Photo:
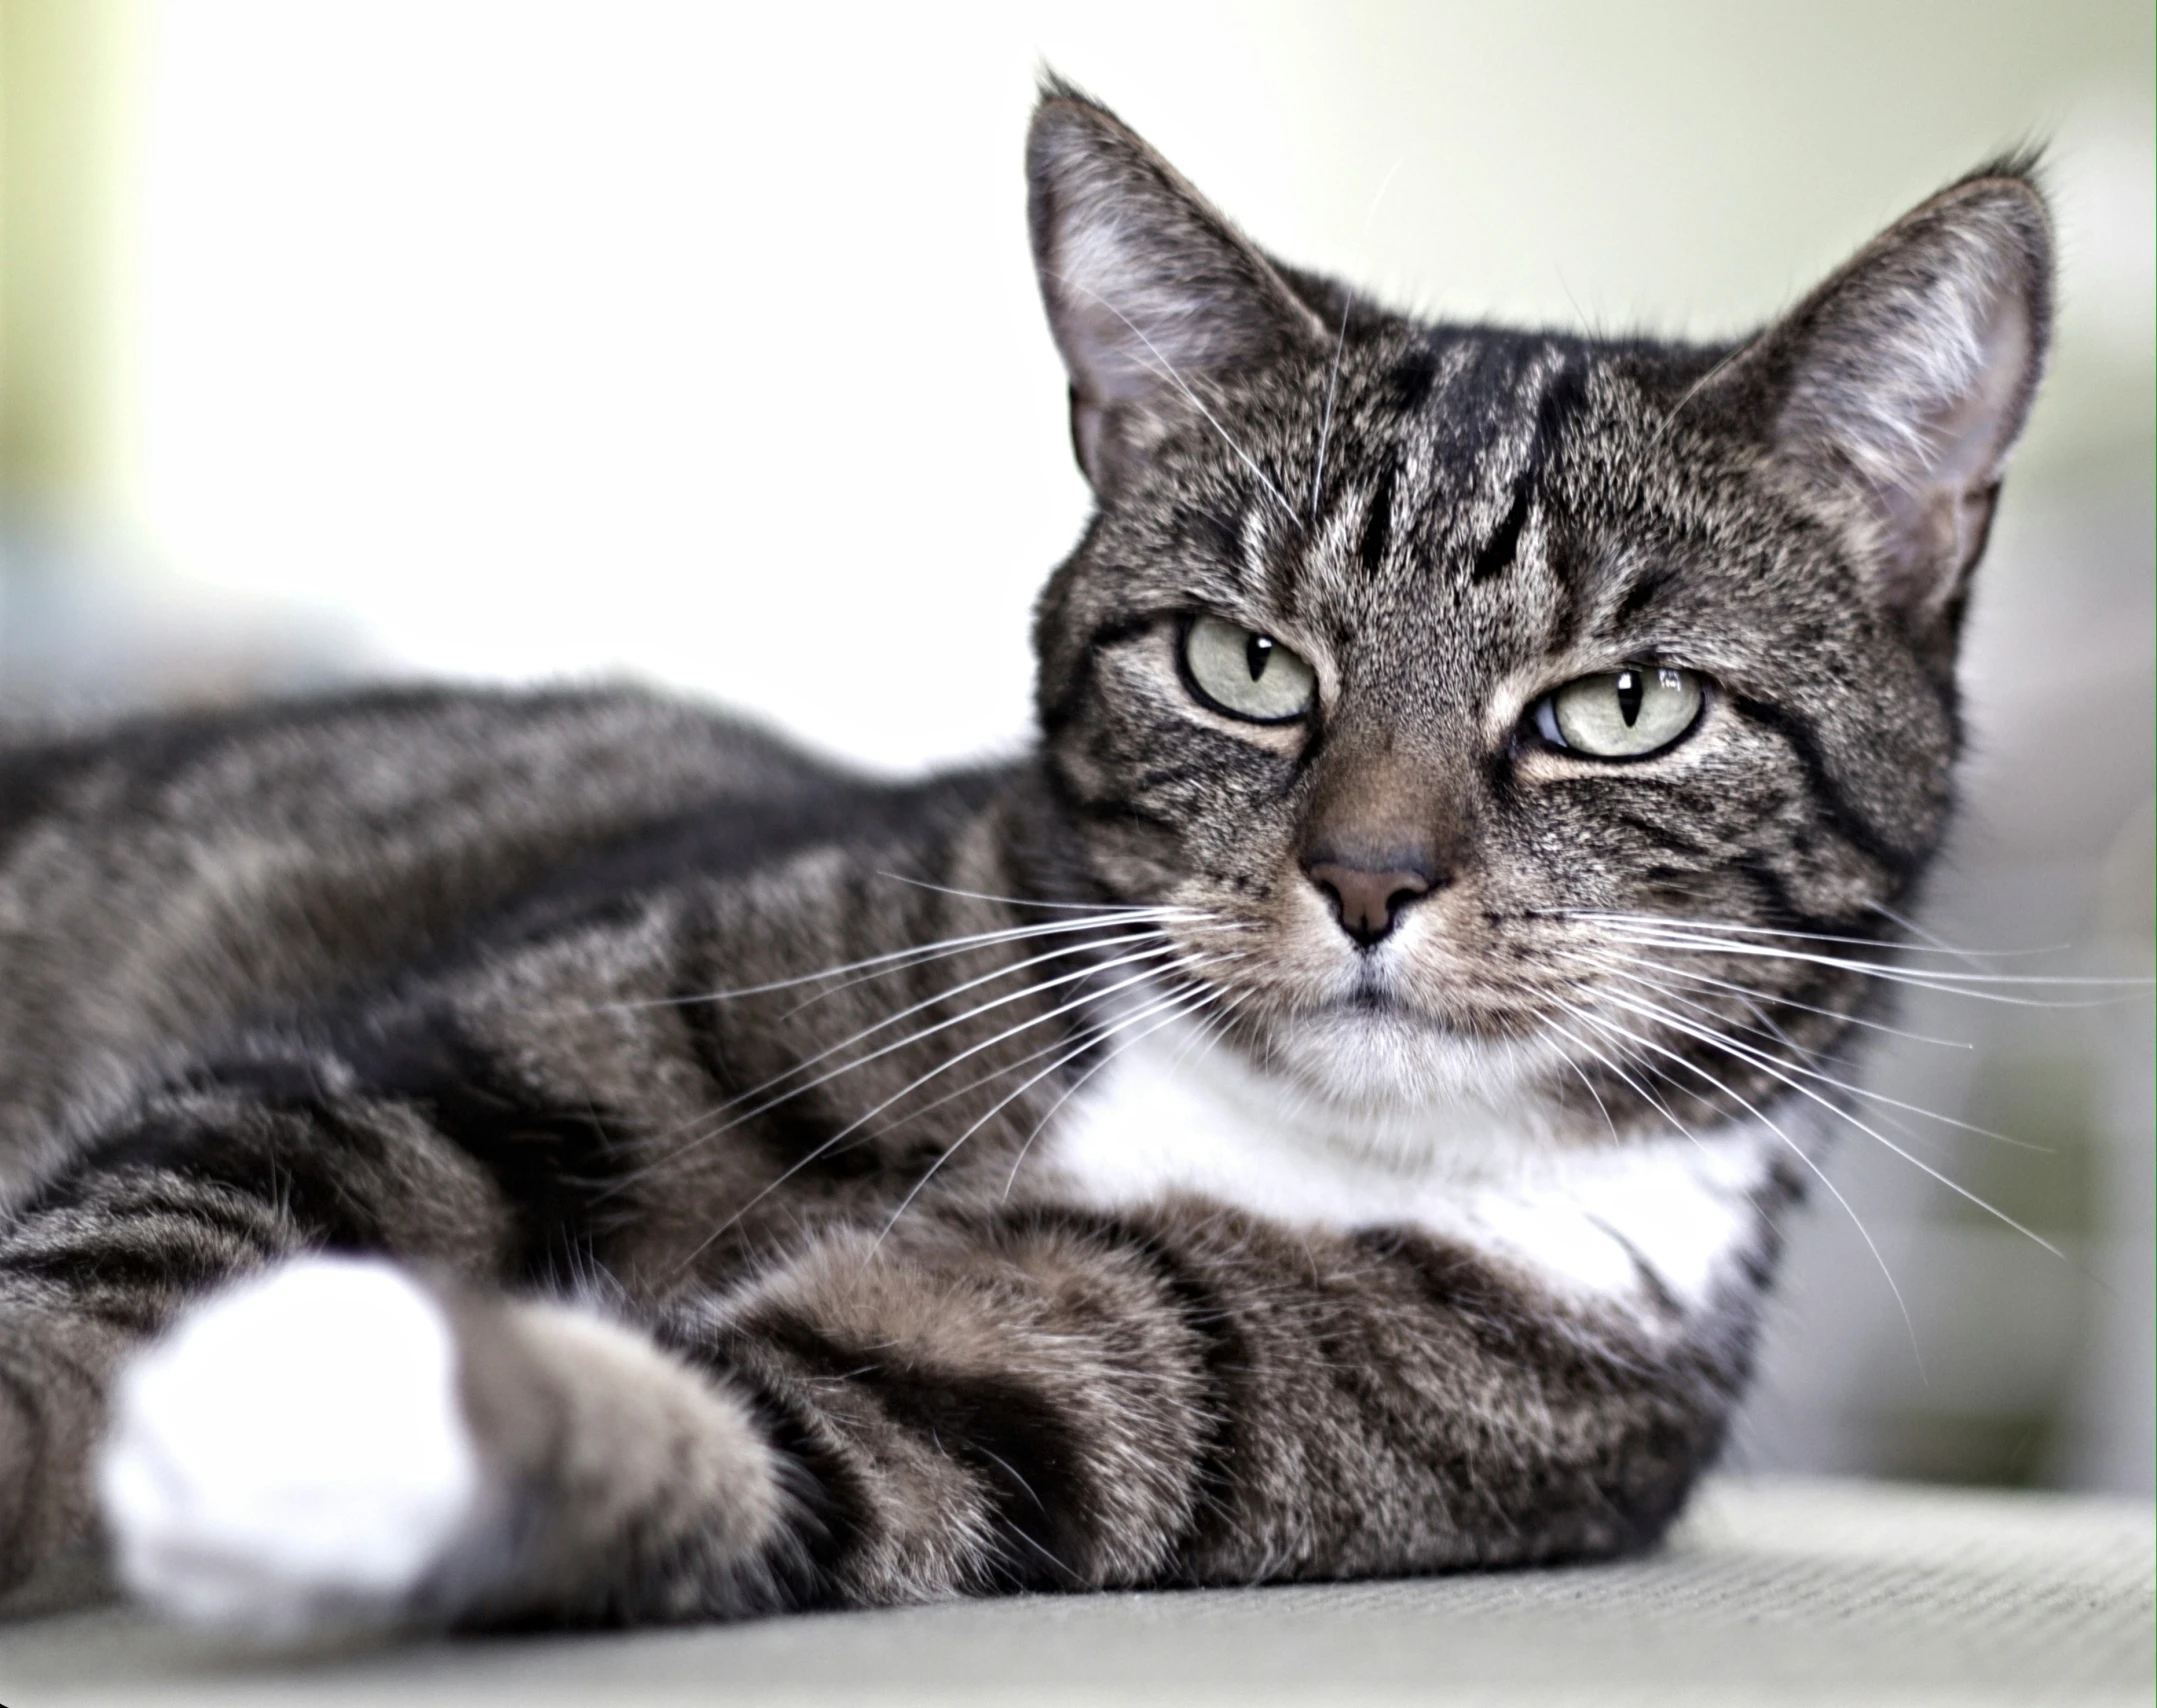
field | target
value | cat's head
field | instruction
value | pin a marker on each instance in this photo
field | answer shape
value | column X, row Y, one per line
column 1494, row 700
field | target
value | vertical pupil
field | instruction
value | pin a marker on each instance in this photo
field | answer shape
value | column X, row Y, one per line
column 1258, row 651
column 1631, row 691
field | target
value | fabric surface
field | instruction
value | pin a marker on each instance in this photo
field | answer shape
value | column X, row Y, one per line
column 1771, row 1592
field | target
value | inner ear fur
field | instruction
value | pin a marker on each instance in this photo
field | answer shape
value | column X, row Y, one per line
column 1148, row 287
column 1903, row 382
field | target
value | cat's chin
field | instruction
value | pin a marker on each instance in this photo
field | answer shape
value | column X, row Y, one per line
column 1397, row 1071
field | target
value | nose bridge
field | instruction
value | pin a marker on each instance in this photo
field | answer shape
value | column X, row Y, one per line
column 1385, row 827
column 1389, row 798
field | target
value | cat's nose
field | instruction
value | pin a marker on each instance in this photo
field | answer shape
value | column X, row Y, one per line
column 1367, row 902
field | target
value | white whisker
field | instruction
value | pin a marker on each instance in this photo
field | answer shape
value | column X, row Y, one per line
column 1736, row 928
column 1942, row 983
column 1167, row 370
column 1751, row 995
column 1967, row 957
column 1154, row 952
column 863, row 1119
column 1228, row 999
column 1746, row 1053
column 1603, row 1024
column 895, row 959
column 1178, row 999
column 709, row 1125
column 1830, row 1080
column 1057, row 906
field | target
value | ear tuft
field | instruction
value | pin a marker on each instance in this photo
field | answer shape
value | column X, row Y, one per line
column 1906, row 380
column 1147, row 286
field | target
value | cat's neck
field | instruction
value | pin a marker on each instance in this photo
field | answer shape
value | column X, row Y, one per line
column 1658, row 1230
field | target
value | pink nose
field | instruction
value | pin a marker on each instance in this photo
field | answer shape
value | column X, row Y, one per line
column 1367, row 903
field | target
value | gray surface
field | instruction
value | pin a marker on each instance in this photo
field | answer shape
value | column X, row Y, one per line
column 1771, row 1593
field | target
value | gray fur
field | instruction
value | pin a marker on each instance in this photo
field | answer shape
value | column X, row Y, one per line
column 440, row 975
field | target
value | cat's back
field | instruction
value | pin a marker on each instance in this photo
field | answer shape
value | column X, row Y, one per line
column 165, row 879
column 383, row 755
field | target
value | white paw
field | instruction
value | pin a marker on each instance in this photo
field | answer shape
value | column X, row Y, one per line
column 292, row 1454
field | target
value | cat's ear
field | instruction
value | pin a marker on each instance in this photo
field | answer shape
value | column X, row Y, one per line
column 1904, row 381
column 1148, row 287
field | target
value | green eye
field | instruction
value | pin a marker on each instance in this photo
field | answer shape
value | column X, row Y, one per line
column 1621, row 714
column 1246, row 674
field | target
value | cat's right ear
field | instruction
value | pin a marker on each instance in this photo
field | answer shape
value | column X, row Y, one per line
column 1148, row 287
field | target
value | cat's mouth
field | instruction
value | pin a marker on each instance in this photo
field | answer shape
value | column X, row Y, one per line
column 1374, row 1001
column 1379, row 1004
column 1373, row 1007
column 1370, row 1047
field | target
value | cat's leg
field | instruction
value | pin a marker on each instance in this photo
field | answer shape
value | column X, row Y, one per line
column 197, row 1190
column 341, row 1442
column 1062, row 1399
column 553, row 1465
column 1024, row 1400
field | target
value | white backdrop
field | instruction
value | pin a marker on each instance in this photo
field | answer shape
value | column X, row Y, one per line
column 514, row 340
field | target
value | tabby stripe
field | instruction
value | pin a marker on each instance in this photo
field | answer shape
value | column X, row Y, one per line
column 1018, row 1450
column 144, row 1265
column 1562, row 396
column 1641, row 594
column 1223, row 1359
column 1106, row 809
column 1496, row 557
column 1454, row 1281
column 1147, row 782
column 1067, row 704
column 1378, row 520
column 1662, row 836
column 1019, row 1447
column 800, row 1129
column 560, row 1171
column 1850, row 824
column 833, row 1508
column 1408, row 386
column 249, row 1223
column 296, row 1171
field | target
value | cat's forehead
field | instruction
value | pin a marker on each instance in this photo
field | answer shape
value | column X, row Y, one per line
column 1475, row 430
column 1473, row 503
column 1433, row 508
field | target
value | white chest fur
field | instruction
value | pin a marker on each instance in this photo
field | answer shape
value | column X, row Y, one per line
column 1628, row 1225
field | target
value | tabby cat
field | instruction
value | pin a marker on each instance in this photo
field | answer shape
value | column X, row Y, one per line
column 567, row 1157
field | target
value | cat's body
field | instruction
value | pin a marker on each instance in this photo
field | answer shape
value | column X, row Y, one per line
column 1327, row 1123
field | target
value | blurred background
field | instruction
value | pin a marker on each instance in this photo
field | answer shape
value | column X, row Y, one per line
column 519, row 341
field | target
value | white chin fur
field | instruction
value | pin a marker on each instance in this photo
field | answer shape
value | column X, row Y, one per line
column 1384, row 1066
column 292, row 1454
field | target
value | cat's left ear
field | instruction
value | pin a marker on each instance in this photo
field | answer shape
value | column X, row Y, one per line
column 1904, row 381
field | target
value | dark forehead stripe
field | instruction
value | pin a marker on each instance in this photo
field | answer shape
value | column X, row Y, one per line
column 1559, row 400
column 1408, row 386
column 1206, row 533
column 1496, row 557
column 1641, row 594
column 1378, row 520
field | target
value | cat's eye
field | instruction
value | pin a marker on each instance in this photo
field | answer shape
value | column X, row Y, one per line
column 1246, row 674
column 1621, row 714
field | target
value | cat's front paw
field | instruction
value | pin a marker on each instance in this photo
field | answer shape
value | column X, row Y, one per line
column 293, row 1454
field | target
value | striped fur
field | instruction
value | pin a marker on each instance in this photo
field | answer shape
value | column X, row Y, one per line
column 840, row 1193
